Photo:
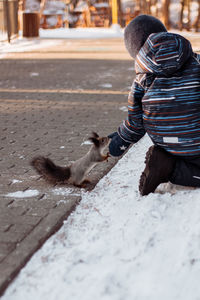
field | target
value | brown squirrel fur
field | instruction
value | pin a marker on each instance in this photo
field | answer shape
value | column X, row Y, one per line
column 77, row 171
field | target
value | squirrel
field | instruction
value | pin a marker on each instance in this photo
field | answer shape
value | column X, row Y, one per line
column 77, row 171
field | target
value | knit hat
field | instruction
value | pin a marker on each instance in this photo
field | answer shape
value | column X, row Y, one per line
column 138, row 30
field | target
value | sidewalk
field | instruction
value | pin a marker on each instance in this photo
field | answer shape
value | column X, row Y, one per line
column 51, row 100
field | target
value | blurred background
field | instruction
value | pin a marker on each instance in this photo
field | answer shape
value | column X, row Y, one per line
column 27, row 16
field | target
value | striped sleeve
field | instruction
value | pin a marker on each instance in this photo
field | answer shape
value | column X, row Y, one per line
column 132, row 130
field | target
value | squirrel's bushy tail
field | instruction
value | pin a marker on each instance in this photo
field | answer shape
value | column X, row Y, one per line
column 51, row 172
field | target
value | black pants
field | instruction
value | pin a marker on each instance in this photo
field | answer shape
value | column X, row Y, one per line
column 187, row 172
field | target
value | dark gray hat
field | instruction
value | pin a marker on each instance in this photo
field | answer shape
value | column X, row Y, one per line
column 138, row 30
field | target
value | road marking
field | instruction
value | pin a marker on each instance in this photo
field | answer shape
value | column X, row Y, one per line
column 64, row 91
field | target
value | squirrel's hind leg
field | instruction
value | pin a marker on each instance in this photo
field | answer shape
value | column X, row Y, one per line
column 83, row 184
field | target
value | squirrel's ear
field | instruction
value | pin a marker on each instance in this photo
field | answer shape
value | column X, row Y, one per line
column 94, row 141
column 95, row 135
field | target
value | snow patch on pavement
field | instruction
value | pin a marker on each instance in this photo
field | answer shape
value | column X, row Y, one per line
column 63, row 191
column 106, row 85
column 123, row 108
column 23, row 194
column 16, row 181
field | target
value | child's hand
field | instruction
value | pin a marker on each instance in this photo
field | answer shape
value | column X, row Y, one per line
column 117, row 145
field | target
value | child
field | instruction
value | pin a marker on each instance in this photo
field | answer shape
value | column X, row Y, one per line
column 164, row 102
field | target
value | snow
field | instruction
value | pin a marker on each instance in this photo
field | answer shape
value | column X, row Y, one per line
column 86, row 143
column 25, row 45
column 54, row 37
column 23, row 194
column 106, row 85
column 16, row 181
column 82, row 33
column 119, row 245
column 34, row 74
column 123, row 108
column 63, row 191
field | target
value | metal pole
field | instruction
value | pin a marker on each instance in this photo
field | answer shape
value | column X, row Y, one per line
column 7, row 19
column 114, row 12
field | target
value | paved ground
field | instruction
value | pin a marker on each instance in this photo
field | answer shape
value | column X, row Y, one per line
column 50, row 101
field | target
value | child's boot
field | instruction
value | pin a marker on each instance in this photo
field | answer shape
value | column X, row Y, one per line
column 159, row 168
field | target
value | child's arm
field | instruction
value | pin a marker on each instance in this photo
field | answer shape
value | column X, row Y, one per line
column 131, row 130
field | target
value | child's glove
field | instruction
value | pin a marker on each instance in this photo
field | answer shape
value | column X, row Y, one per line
column 117, row 145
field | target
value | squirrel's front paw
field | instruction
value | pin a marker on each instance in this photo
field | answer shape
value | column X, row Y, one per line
column 106, row 156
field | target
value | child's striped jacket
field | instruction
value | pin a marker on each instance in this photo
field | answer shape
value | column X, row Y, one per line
column 165, row 97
